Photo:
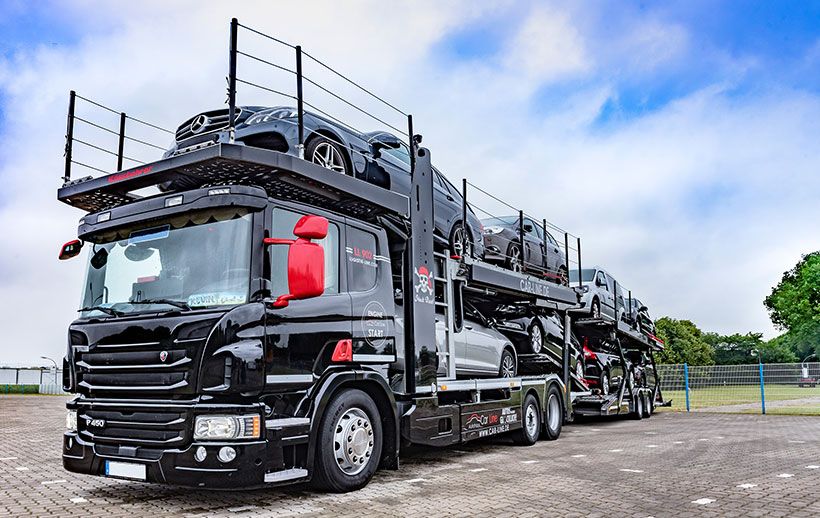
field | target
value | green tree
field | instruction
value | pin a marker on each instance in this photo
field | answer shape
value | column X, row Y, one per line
column 684, row 343
column 794, row 306
column 739, row 349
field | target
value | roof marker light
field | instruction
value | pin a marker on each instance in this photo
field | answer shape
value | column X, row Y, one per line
column 173, row 201
column 105, row 216
column 221, row 190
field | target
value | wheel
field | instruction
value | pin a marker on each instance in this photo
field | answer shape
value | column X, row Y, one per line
column 554, row 417
column 596, row 308
column 536, row 337
column 528, row 434
column 461, row 242
column 349, row 442
column 579, row 369
column 563, row 277
column 514, row 258
column 604, row 381
column 508, row 368
column 649, row 406
column 637, row 412
column 327, row 154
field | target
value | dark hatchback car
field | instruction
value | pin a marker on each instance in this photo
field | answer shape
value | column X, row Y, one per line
column 377, row 157
column 639, row 316
column 602, row 365
column 539, row 332
column 541, row 253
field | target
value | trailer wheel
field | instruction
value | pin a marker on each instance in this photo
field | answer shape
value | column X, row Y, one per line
column 637, row 403
column 554, row 415
column 528, row 434
column 349, row 444
column 649, row 406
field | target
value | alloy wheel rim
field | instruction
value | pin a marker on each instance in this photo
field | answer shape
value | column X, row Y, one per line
column 554, row 412
column 536, row 340
column 515, row 259
column 353, row 441
column 531, row 420
column 579, row 370
column 328, row 157
column 461, row 243
column 605, row 384
column 507, row 367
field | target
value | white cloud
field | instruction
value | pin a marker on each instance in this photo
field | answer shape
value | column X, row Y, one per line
column 631, row 190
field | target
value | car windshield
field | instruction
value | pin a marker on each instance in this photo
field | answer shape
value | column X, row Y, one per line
column 504, row 221
column 587, row 274
column 191, row 261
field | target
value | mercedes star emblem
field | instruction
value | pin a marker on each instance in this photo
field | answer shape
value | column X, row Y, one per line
column 199, row 123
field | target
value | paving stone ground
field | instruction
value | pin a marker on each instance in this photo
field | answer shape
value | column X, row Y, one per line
column 674, row 464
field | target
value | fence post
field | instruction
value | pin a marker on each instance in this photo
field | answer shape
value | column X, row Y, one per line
column 686, row 383
column 69, row 136
column 762, row 390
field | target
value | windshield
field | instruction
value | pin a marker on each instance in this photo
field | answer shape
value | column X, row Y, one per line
column 195, row 260
column 587, row 274
column 500, row 222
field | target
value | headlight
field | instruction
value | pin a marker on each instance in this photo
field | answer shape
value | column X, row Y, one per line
column 271, row 114
column 493, row 230
column 71, row 421
column 222, row 427
column 584, row 289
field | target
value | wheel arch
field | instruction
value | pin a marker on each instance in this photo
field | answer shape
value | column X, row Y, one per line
column 337, row 139
column 375, row 386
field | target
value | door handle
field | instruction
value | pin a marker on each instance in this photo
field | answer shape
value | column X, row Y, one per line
column 450, row 198
column 468, row 328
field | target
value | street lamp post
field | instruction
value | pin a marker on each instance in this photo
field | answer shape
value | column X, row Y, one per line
column 55, row 367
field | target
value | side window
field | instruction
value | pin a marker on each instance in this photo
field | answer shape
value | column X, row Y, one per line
column 283, row 222
column 551, row 239
column 362, row 266
column 455, row 193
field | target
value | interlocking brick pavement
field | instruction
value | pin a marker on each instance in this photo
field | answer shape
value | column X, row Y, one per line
column 671, row 465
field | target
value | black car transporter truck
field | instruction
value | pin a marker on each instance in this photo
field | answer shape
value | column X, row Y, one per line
column 266, row 321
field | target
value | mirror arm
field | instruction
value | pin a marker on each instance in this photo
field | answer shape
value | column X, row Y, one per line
column 276, row 241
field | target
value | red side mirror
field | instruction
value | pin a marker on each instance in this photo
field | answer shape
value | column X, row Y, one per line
column 70, row 249
column 306, row 260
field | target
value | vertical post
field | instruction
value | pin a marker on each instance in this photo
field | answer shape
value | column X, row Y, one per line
column 69, row 136
column 521, row 236
column 411, row 144
column 16, row 376
column 232, row 82
column 545, row 242
column 300, row 108
column 41, row 375
column 579, row 262
column 566, row 360
column 464, row 219
column 762, row 390
column 686, row 383
column 634, row 324
column 121, row 147
column 566, row 257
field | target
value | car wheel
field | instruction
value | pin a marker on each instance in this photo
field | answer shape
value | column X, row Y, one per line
column 514, row 258
column 349, row 442
column 604, row 381
column 327, row 154
column 508, row 369
column 536, row 337
column 554, row 416
column 461, row 242
column 579, row 369
column 528, row 434
column 637, row 403
column 596, row 308
column 563, row 277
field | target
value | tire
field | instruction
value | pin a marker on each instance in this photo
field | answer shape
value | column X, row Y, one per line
column 595, row 311
column 328, row 154
column 553, row 414
column 637, row 412
column 507, row 367
column 536, row 336
column 649, row 407
column 350, row 415
column 604, row 382
column 455, row 241
column 514, row 260
column 531, row 417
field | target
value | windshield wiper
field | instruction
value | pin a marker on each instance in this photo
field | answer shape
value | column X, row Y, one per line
column 176, row 303
column 104, row 309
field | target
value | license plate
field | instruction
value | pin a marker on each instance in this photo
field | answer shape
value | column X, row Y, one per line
column 125, row 470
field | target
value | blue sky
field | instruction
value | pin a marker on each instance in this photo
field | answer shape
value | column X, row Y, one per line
column 678, row 139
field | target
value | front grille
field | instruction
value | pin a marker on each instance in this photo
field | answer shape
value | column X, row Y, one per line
column 153, row 368
column 138, row 428
column 213, row 121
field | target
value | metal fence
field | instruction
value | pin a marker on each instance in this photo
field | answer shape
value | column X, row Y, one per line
column 31, row 380
column 782, row 388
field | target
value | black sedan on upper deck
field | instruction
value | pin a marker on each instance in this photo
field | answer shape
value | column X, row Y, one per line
column 377, row 157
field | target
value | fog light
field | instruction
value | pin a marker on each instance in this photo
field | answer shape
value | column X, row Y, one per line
column 226, row 454
column 200, row 454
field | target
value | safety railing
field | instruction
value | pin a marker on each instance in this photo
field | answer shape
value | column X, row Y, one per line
column 781, row 388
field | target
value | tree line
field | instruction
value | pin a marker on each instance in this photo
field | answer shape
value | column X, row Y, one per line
column 793, row 306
